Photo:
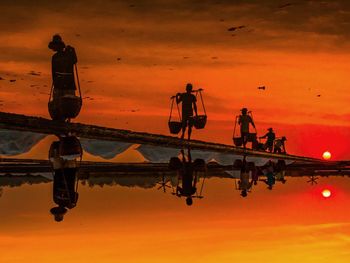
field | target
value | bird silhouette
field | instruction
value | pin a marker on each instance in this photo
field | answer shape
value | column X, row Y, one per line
column 33, row 73
column 235, row 28
column 285, row 5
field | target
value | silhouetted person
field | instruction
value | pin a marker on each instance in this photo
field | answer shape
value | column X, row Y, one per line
column 244, row 120
column 188, row 188
column 279, row 146
column 63, row 62
column 189, row 104
column 270, row 137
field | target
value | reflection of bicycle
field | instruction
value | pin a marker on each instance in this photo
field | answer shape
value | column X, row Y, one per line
column 313, row 180
column 164, row 184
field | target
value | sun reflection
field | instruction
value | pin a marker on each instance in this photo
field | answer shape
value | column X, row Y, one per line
column 326, row 193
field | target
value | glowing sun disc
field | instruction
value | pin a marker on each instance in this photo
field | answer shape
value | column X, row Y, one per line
column 327, row 155
column 326, row 193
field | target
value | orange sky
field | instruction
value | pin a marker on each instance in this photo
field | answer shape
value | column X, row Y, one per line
column 297, row 52
column 291, row 223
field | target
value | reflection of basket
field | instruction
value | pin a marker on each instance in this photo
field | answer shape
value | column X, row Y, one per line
column 70, row 147
column 238, row 163
column 251, row 166
column 199, row 165
column 175, row 163
column 175, row 127
column 238, row 141
column 200, row 121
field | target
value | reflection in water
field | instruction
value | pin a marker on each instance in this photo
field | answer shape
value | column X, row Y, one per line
column 65, row 156
column 250, row 174
column 188, row 176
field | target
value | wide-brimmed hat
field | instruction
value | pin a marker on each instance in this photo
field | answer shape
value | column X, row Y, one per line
column 56, row 42
column 244, row 109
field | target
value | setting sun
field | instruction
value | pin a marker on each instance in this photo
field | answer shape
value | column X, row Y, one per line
column 327, row 155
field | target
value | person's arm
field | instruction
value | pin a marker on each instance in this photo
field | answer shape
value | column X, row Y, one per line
column 72, row 54
column 178, row 98
column 53, row 69
column 195, row 107
column 263, row 137
column 252, row 122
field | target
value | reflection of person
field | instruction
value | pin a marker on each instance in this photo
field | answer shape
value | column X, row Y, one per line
column 244, row 120
column 63, row 62
column 64, row 191
column 65, row 175
column 269, row 172
column 189, row 105
column 270, row 138
column 188, row 187
column 244, row 184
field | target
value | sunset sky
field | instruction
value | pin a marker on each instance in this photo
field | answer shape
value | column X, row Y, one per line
column 298, row 50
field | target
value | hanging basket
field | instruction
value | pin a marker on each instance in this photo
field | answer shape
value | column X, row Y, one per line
column 65, row 107
column 251, row 137
column 200, row 121
column 175, row 127
column 70, row 106
column 238, row 141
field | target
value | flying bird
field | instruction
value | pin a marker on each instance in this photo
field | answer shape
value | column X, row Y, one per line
column 285, row 5
column 262, row 88
column 12, row 80
column 319, row 95
column 33, row 73
column 119, row 59
column 235, row 28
